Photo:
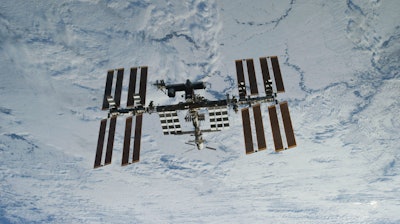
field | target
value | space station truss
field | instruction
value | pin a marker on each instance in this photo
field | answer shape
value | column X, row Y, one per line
column 255, row 97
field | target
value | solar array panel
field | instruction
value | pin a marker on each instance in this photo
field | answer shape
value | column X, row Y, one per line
column 143, row 84
column 134, row 99
column 118, row 87
column 138, row 136
column 276, row 133
column 277, row 74
column 110, row 142
column 287, row 124
column 127, row 141
column 257, row 112
column 266, row 76
column 132, row 86
column 240, row 78
column 248, row 139
column 259, row 127
column 107, row 89
column 100, row 143
column 252, row 77
column 115, row 101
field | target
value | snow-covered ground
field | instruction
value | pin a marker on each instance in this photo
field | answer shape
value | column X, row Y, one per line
column 340, row 62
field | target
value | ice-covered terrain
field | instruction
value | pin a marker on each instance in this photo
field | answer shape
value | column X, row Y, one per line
column 340, row 61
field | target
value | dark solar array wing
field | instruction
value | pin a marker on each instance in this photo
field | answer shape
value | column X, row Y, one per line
column 252, row 77
column 132, row 87
column 248, row 139
column 100, row 143
column 287, row 124
column 143, row 85
column 276, row 133
column 110, row 141
column 240, row 79
column 138, row 136
column 277, row 74
column 259, row 127
column 107, row 90
column 266, row 76
column 108, row 99
column 139, row 117
column 127, row 141
column 118, row 86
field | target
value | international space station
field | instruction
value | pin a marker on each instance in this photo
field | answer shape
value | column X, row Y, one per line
column 195, row 105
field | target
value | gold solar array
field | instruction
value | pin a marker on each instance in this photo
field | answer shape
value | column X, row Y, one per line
column 112, row 103
column 252, row 98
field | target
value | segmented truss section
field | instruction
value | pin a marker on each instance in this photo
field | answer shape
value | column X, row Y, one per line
column 219, row 119
column 170, row 122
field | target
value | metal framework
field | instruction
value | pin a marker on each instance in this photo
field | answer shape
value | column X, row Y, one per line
column 248, row 99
